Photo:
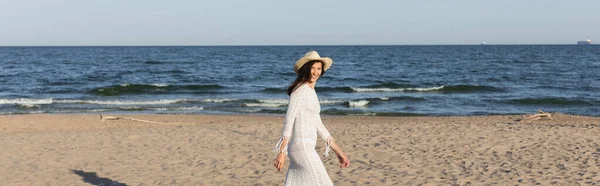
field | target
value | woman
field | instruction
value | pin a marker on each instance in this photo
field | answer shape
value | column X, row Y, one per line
column 302, row 123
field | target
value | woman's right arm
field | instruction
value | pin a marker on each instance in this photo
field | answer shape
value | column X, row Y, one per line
column 288, row 125
column 280, row 160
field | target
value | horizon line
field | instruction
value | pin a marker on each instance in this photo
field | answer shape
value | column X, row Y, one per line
column 265, row 45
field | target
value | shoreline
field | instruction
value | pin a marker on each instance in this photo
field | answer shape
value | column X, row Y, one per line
column 79, row 149
column 400, row 115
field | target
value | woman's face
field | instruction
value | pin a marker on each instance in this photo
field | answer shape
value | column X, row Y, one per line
column 315, row 72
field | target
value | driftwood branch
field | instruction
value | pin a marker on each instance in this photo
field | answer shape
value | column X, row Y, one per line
column 541, row 114
column 104, row 118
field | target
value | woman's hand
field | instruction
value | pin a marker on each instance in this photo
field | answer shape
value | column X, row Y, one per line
column 279, row 161
column 344, row 162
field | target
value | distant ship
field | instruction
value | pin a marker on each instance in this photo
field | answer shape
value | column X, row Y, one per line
column 586, row 42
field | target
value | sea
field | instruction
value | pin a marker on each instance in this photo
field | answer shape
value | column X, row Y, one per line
column 445, row 80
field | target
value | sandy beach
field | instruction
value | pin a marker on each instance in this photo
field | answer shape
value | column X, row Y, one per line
column 236, row 150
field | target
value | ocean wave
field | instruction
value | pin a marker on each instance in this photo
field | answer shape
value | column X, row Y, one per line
column 395, row 98
column 470, row 88
column 389, row 85
column 25, row 101
column 118, row 102
column 442, row 89
column 331, row 101
column 218, row 100
column 358, row 89
column 263, row 105
column 317, row 89
column 132, row 108
column 274, row 101
column 363, row 114
column 268, row 111
column 283, row 102
column 358, row 103
column 182, row 108
column 122, row 89
column 28, row 106
column 394, row 87
column 46, row 101
column 334, row 111
column 382, row 87
column 160, row 108
column 267, row 103
column 23, row 112
column 100, row 110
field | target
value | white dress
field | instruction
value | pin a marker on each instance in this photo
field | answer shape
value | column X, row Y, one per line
column 302, row 123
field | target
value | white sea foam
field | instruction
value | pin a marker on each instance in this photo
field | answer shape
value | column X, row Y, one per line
column 263, row 105
column 284, row 102
column 331, row 101
column 217, row 100
column 253, row 110
column 384, row 98
column 25, row 101
column 101, row 110
column 29, row 105
column 364, row 114
column 20, row 112
column 179, row 108
column 359, row 103
column 155, row 84
column 268, row 103
column 275, row 101
column 117, row 102
column 189, row 108
column 132, row 108
column 396, row 89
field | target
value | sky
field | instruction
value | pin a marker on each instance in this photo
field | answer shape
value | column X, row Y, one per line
column 307, row 22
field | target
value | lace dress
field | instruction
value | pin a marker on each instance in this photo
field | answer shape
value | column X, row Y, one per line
column 302, row 123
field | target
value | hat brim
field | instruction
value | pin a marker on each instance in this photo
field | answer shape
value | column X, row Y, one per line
column 326, row 62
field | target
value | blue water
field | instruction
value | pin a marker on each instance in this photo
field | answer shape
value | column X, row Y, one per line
column 364, row 80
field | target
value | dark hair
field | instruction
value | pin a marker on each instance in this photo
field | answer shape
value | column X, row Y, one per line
column 304, row 75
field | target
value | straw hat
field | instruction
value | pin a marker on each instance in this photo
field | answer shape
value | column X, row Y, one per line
column 313, row 56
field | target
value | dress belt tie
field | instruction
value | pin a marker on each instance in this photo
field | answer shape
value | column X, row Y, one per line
column 303, row 140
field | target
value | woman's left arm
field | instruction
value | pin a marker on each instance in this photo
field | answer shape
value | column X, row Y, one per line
column 344, row 162
column 324, row 133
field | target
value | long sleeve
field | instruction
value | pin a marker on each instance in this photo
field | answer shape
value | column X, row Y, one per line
column 324, row 133
column 290, row 117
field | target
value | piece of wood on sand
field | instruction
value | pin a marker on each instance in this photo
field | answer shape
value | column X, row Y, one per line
column 104, row 118
column 541, row 114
